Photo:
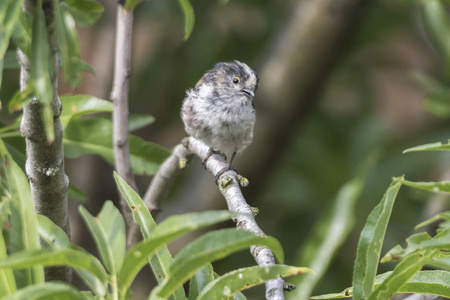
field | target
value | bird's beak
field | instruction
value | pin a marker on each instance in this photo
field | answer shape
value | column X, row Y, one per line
column 249, row 93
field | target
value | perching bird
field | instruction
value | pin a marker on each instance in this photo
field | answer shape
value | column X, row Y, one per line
column 219, row 111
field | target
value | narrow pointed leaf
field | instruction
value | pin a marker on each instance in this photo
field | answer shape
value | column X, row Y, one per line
column 9, row 16
column 200, row 280
column 429, row 147
column 23, row 233
column 47, row 290
column 7, row 281
column 208, row 248
column 444, row 215
column 424, row 282
column 108, row 230
column 167, row 231
column 189, row 17
column 227, row 285
column 55, row 257
column 40, row 70
column 406, row 269
column 162, row 259
column 54, row 236
column 69, row 45
column 370, row 242
column 442, row 186
column 85, row 12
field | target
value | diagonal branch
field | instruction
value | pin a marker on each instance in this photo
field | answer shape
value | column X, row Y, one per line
column 119, row 97
column 229, row 185
column 45, row 161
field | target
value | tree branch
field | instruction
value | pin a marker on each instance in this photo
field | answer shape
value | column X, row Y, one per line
column 119, row 97
column 229, row 185
column 45, row 161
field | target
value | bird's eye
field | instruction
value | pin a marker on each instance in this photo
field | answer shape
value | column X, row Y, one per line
column 236, row 80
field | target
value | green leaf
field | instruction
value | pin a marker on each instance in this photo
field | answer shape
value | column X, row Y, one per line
column 225, row 286
column 444, row 216
column 85, row 12
column 208, row 248
column 330, row 232
column 94, row 136
column 162, row 259
column 108, row 230
column 189, row 17
column 56, row 257
column 23, row 233
column 423, row 282
column 75, row 193
column 20, row 98
column 22, row 33
column 137, row 121
column 429, row 147
column 48, row 290
column 167, row 231
column 131, row 4
column 438, row 99
column 9, row 16
column 200, row 280
column 54, row 236
column 406, row 269
column 40, row 70
column 370, row 242
column 69, row 45
column 442, row 186
column 7, row 281
column 80, row 105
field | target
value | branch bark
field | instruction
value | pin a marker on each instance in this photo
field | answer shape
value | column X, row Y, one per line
column 229, row 185
column 119, row 97
column 45, row 161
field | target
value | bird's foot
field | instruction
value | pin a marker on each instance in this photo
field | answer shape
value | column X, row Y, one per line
column 220, row 173
column 211, row 151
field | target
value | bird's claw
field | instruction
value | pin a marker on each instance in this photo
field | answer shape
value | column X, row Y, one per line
column 211, row 151
column 220, row 173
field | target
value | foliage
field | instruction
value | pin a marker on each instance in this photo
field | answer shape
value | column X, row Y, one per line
column 116, row 269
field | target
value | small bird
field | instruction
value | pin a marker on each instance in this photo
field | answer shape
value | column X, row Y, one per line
column 220, row 112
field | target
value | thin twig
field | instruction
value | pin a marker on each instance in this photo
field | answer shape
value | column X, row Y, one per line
column 119, row 97
column 229, row 186
column 45, row 161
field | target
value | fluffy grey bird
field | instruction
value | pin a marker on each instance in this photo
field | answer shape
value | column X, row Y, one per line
column 219, row 111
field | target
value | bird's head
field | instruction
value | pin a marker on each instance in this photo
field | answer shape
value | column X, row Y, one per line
column 231, row 79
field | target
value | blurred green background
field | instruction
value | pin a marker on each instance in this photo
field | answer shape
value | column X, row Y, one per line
column 368, row 98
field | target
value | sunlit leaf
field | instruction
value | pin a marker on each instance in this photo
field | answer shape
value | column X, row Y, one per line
column 162, row 259
column 47, row 290
column 189, row 17
column 208, row 248
column 423, row 282
column 225, row 286
column 429, row 147
column 23, row 233
column 442, row 186
column 69, row 45
column 108, row 230
column 85, row 12
column 370, row 242
column 9, row 16
column 40, row 70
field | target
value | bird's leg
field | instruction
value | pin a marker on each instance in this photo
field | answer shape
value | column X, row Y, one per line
column 227, row 167
column 211, row 151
